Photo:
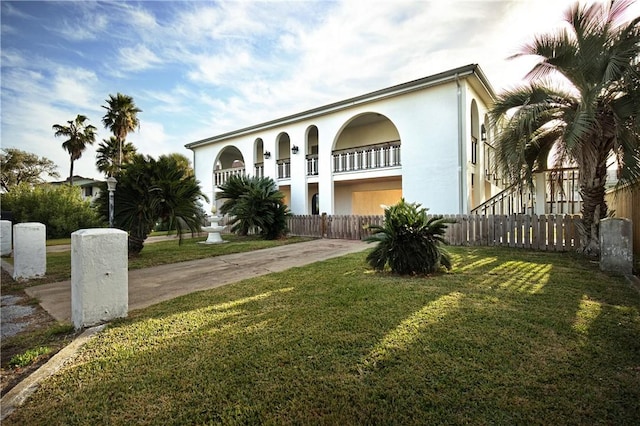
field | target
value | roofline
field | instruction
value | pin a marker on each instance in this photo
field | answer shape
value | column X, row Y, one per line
column 411, row 86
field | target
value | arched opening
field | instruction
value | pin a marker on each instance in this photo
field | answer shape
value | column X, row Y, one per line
column 312, row 151
column 368, row 142
column 315, row 204
column 474, row 181
column 229, row 162
column 259, row 154
column 283, row 143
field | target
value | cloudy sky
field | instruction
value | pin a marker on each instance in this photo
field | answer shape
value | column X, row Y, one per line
column 202, row 68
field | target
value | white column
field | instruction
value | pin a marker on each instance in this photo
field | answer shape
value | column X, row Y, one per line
column 541, row 191
column 99, row 276
column 29, row 250
column 5, row 237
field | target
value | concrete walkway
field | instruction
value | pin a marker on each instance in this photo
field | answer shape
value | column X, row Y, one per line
column 153, row 285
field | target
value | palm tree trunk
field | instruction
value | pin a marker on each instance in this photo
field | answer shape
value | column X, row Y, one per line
column 71, row 174
column 594, row 207
column 136, row 244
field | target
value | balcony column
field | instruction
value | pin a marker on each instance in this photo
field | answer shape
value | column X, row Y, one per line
column 540, row 196
column 298, row 173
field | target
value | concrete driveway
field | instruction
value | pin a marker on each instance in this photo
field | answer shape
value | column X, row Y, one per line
column 153, row 285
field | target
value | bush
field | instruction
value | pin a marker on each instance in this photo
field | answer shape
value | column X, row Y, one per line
column 409, row 241
column 59, row 207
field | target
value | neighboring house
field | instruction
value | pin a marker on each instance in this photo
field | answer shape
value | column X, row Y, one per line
column 90, row 188
column 427, row 140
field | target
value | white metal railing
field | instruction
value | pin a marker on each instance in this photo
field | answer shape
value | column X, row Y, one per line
column 563, row 191
column 221, row 176
column 561, row 196
column 259, row 170
column 367, row 157
column 284, row 169
column 312, row 165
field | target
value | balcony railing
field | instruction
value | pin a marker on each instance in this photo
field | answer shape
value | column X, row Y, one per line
column 284, row 169
column 312, row 165
column 367, row 157
column 221, row 176
column 259, row 170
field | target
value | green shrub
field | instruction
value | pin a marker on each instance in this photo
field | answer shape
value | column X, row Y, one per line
column 409, row 242
column 28, row 357
column 59, row 207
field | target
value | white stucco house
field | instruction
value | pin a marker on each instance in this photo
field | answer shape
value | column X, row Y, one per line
column 90, row 188
column 426, row 140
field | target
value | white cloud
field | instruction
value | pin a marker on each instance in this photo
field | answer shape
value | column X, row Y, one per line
column 137, row 58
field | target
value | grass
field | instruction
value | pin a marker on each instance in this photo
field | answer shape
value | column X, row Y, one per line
column 507, row 337
column 29, row 356
column 164, row 252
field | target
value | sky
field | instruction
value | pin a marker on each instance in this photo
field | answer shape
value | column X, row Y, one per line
column 198, row 69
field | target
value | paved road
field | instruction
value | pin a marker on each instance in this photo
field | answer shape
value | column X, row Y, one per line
column 153, row 285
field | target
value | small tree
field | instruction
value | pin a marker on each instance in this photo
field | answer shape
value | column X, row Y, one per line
column 409, row 242
column 17, row 166
column 256, row 205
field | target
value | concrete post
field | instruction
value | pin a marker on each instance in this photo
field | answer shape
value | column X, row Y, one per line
column 99, row 276
column 5, row 237
column 29, row 250
column 616, row 245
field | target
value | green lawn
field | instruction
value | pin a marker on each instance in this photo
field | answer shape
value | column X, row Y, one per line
column 507, row 337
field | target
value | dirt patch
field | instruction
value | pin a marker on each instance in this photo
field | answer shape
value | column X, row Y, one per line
column 25, row 326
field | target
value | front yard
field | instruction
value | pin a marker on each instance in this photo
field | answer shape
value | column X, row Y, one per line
column 507, row 337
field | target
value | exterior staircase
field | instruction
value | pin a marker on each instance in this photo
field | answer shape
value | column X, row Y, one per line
column 554, row 192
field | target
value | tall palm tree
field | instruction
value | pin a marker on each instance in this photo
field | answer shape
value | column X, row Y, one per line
column 587, row 120
column 107, row 155
column 121, row 118
column 79, row 134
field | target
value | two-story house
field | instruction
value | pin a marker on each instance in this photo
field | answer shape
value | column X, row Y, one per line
column 426, row 140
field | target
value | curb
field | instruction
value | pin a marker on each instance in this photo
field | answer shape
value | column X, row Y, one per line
column 23, row 390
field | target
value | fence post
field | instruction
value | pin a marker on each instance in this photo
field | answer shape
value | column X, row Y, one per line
column 323, row 225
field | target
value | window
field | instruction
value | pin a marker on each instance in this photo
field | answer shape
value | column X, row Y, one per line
column 474, row 150
column 88, row 191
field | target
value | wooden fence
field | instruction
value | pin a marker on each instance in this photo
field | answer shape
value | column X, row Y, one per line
column 544, row 232
column 625, row 202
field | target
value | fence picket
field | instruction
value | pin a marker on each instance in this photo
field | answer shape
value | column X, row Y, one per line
column 544, row 232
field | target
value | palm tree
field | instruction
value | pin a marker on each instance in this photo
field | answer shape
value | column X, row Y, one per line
column 409, row 241
column 152, row 190
column 591, row 119
column 107, row 155
column 256, row 205
column 79, row 134
column 121, row 118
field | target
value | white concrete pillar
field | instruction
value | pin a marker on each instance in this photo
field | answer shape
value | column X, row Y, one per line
column 616, row 245
column 5, row 237
column 541, row 190
column 99, row 276
column 29, row 250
